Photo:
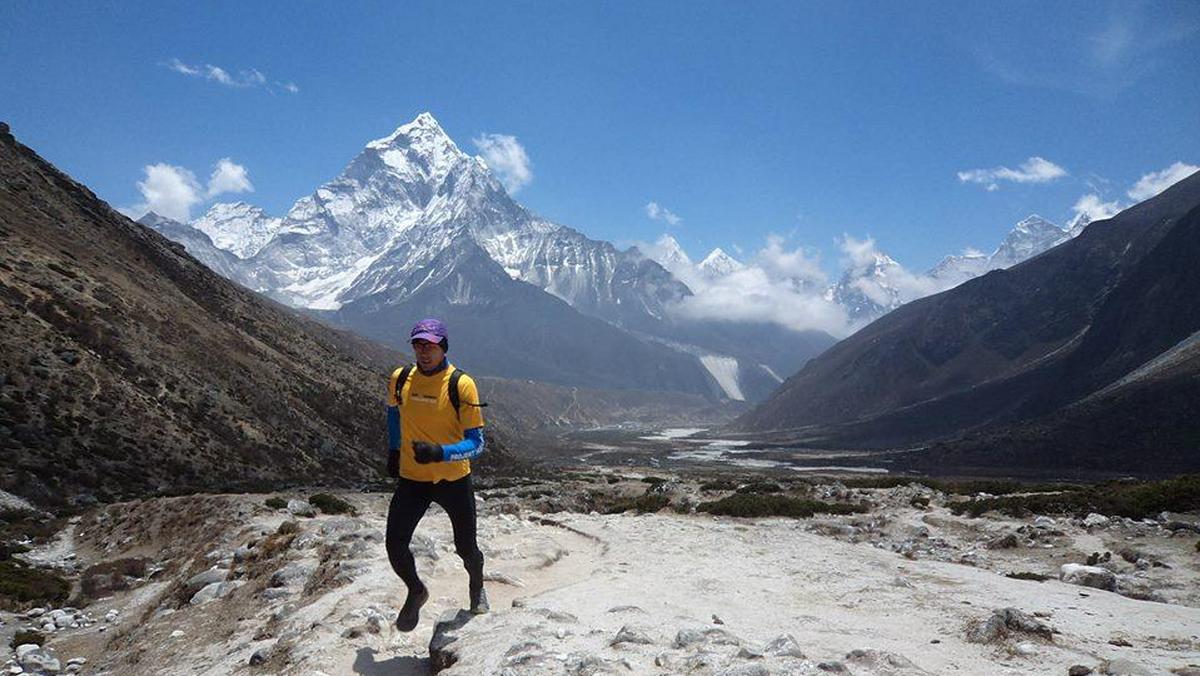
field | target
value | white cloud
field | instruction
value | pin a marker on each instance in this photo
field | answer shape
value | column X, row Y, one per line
column 228, row 176
column 173, row 191
column 661, row 213
column 250, row 77
column 899, row 284
column 1095, row 208
column 1033, row 170
column 780, row 285
column 1157, row 181
column 168, row 191
column 507, row 158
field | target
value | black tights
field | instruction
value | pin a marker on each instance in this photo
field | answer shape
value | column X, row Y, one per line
column 409, row 503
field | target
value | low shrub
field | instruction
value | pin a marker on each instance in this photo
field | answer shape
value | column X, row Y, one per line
column 331, row 504
column 1025, row 575
column 653, row 480
column 1135, row 500
column 23, row 586
column 104, row 578
column 24, row 636
column 757, row 505
column 759, row 488
column 288, row 527
column 643, row 504
column 719, row 485
column 276, row 502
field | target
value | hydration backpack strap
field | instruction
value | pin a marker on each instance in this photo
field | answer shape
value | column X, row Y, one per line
column 455, row 397
column 401, row 380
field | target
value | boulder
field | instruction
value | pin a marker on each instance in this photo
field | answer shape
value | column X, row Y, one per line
column 1088, row 576
column 1095, row 520
column 214, row 591
column 301, row 508
column 201, row 580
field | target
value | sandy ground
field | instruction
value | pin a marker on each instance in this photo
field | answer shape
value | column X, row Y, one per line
column 579, row 580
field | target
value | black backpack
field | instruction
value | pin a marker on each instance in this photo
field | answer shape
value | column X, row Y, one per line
column 455, row 376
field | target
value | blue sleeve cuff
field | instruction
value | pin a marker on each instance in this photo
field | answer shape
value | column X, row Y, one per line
column 393, row 423
column 469, row 448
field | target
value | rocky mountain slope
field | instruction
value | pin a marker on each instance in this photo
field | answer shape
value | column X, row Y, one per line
column 130, row 368
column 412, row 207
column 1087, row 347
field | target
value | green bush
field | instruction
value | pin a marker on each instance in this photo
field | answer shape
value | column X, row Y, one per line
column 718, row 485
column 653, row 480
column 643, row 504
column 760, row 487
column 1135, row 500
column 24, row 636
column 756, row 505
column 22, row 586
column 331, row 504
column 276, row 502
column 288, row 527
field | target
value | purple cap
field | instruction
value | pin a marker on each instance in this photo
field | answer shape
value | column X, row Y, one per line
column 432, row 330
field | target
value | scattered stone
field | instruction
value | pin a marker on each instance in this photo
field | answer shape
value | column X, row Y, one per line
column 688, row 637
column 503, row 578
column 784, row 645
column 717, row 620
column 1008, row 541
column 276, row 593
column 833, row 667
column 1027, row 649
column 35, row 612
column 1079, row 670
column 632, row 634
column 261, row 655
column 37, row 660
column 214, row 591
column 201, row 580
column 178, row 633
column 1124, row 667
column 1095, row 520
column 619, row 609
column 1088, row 576
column 884, row 662
column 1005, row 621
column 300, row 508
column 293, row 573
column 1120, row 643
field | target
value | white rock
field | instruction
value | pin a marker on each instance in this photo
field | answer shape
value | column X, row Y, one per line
column 111, row 616
column 38, row 660
column 178, row 633
column 214, row 591
column 1088, row 576
column 35, row 612
column 1094, row 520
column 301, row 508
column 24, row 649
column 1027, row 649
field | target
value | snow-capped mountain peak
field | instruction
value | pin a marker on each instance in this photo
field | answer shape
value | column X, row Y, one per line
column 718, row 264
column 419, row 149
column 1030, row 237
column 237, row 227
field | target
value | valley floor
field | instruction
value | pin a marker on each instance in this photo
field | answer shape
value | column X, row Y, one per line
column 900, row 590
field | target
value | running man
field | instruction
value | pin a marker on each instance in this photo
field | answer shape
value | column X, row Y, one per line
column 431, row 442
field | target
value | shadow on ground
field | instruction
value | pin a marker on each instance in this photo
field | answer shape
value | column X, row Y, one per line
column 402, row 665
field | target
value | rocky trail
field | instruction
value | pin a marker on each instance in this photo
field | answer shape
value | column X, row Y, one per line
column 227, row 585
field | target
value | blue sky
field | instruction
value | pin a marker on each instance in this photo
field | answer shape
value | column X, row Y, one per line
column 743, row 119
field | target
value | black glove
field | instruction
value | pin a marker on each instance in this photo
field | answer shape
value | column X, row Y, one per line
column 427, row 452
column 393, row 463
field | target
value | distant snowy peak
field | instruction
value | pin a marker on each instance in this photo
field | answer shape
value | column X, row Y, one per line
column 669, row 254
column 1076, row 225
column 237, row 227
column 866, row 290
column 1029, row 238
column 719, row 264
column 959, row 268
